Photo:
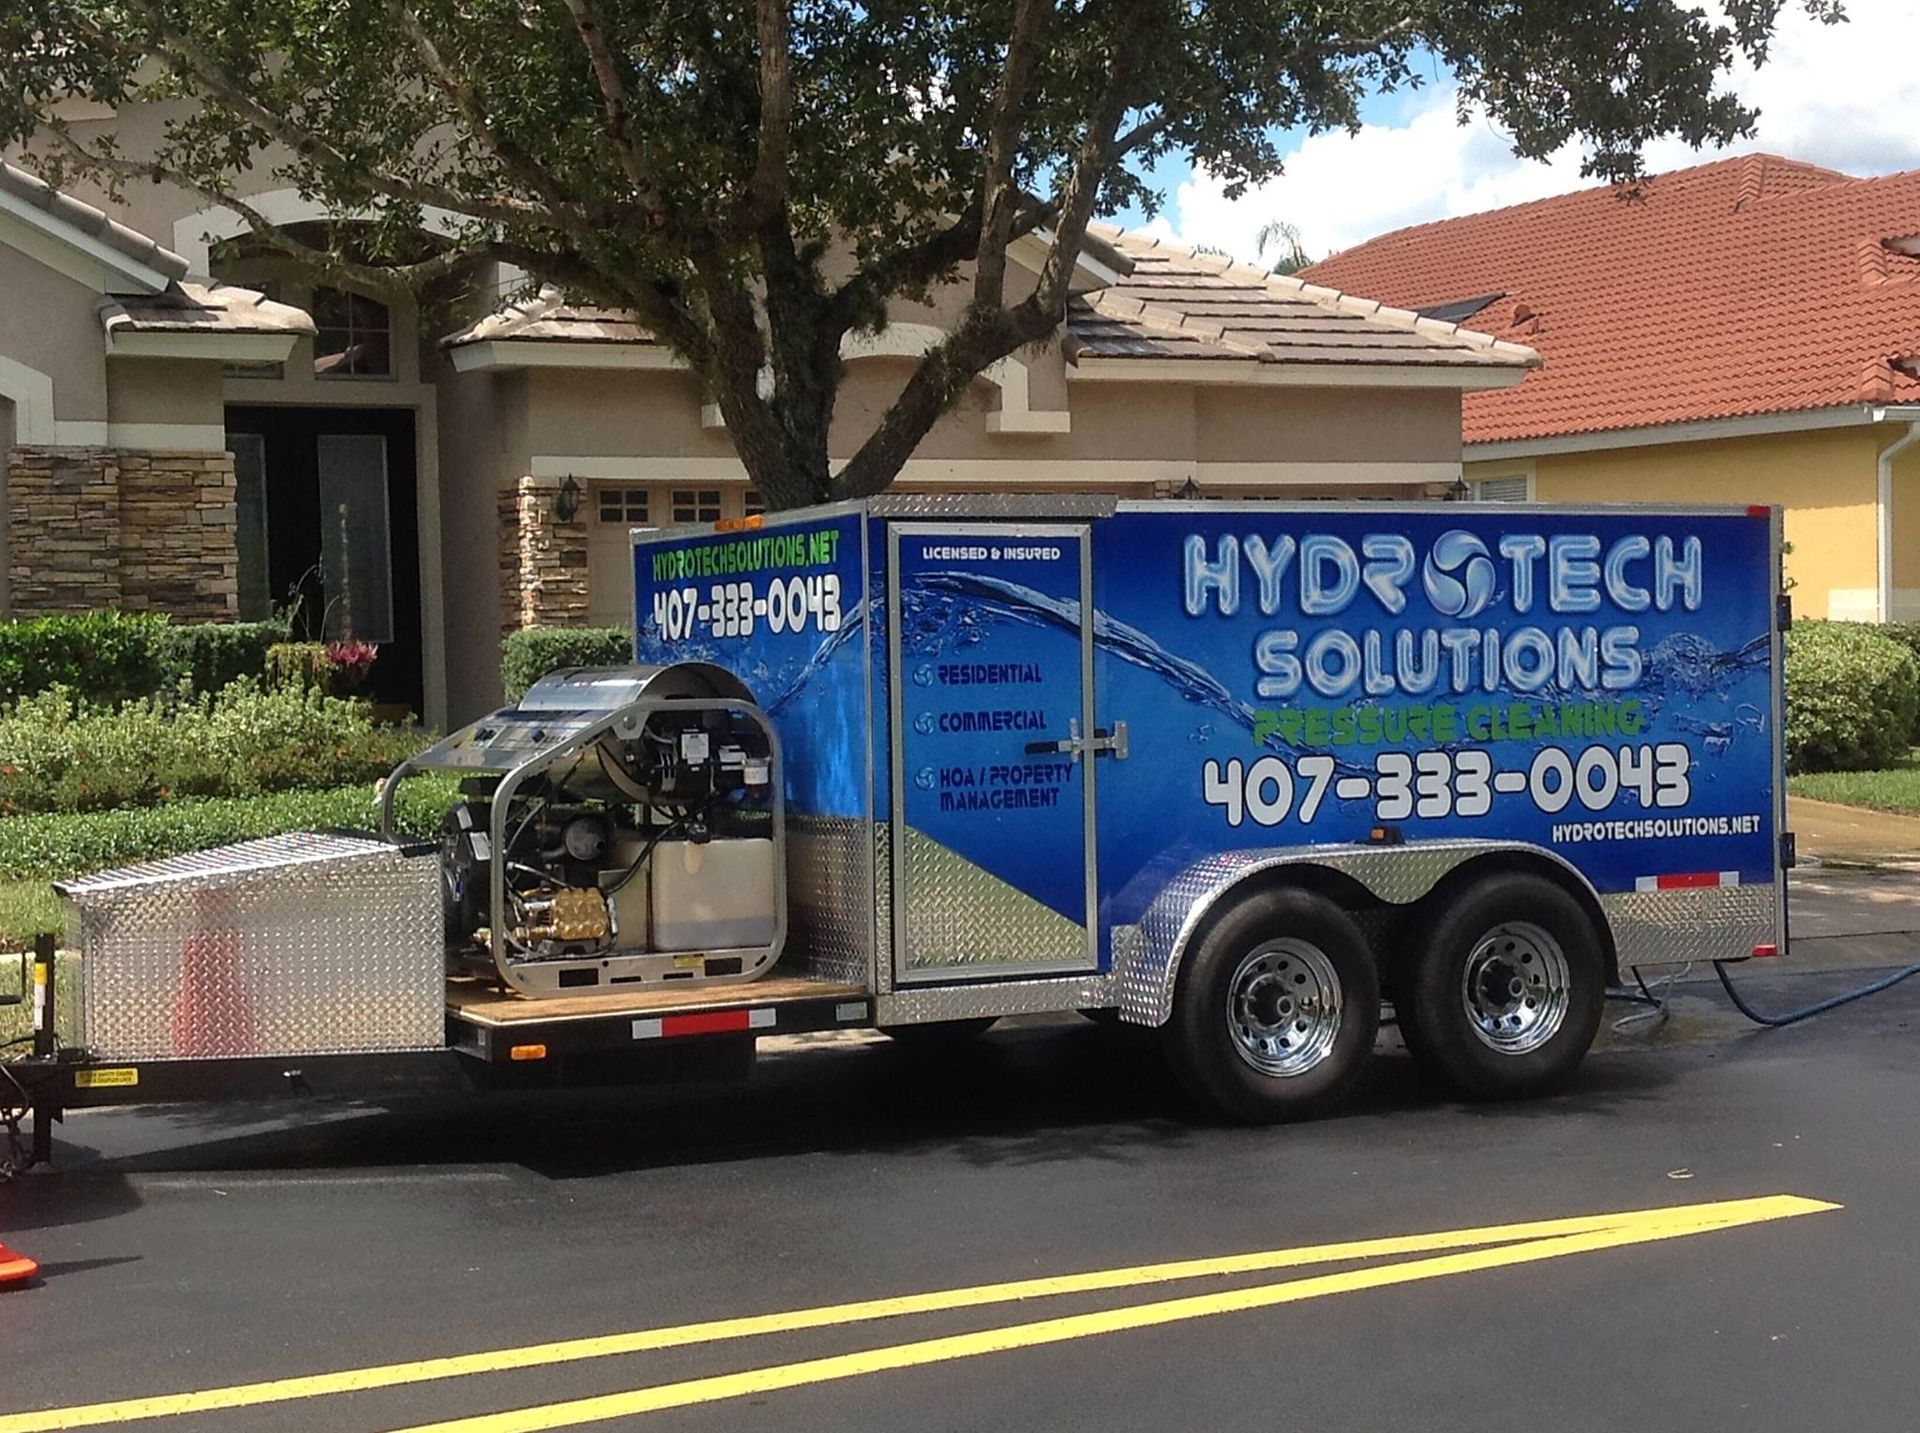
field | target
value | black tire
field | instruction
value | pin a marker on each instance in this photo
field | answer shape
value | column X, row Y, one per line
column 1273, row 945
column 937, row 1036
column 1491, row 933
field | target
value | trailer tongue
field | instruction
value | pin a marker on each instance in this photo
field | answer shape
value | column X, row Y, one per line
column 1234, row 770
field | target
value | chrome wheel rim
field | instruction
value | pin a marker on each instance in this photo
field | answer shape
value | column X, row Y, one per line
column 1516, row 988
column 1283, row 1007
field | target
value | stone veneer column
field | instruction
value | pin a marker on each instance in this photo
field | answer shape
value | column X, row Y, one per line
column 91, row 528
column 543, row 561
column 63, row 529
column 178, row 551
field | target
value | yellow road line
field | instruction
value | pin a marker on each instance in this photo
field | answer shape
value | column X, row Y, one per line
column 574, row 1412
column 354, row 1380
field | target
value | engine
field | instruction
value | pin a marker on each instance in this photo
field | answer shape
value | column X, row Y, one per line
column 618, row 825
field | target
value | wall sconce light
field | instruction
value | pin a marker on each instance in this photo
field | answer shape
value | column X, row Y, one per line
column 566, row 502
column 1189, row 491
column 1457, row 491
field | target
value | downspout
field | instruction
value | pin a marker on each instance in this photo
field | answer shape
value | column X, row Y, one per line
column 1883, row 500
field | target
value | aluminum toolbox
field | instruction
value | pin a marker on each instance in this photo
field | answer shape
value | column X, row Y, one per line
column 292, row 945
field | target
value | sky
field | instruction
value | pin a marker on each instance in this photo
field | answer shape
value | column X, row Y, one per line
column 1844, row 96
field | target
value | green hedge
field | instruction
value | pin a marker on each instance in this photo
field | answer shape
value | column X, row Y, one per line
column 1853, row 694
column 61, row 754
column 212, row 655
column 529, row 654
column 113, row 657
column 52, row 847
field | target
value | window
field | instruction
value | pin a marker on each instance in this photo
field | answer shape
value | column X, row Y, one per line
column 356, row 564
column 250, row 524
column 696, row 504
column 623, row 507
column 353, row 336
column 750, row 503
column 1515, row 489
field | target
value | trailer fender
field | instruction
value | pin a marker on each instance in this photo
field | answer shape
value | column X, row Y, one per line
column 1148, row 955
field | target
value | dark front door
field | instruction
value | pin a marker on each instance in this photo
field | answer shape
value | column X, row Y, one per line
column 329, row 520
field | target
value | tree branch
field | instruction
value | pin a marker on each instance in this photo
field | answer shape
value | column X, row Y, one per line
column 466, row 102
column 767, row 190
column 613, row 95
column 999, row 198
column 986, row 332
column 219, row 87
column 390, row 280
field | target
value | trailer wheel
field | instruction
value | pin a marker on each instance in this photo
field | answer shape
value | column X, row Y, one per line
column 1276, row 1009
column 1506, row 995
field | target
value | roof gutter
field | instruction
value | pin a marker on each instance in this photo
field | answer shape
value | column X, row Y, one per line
column 1883, row 498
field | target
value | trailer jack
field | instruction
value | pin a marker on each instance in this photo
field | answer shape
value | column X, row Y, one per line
column 19, row 1099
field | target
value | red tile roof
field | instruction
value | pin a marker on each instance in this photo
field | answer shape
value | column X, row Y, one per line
column 1747, row 286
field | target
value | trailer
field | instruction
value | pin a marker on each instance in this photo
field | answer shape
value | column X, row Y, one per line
column 1245, row 772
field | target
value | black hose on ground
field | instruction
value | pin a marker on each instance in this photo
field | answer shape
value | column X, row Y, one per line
column 1794, row 1017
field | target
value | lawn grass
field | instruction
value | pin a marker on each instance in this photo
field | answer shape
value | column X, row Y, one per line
column 1897, row 788
column 26, row 909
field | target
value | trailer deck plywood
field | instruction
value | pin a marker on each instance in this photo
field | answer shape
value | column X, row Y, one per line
column 479, row 1002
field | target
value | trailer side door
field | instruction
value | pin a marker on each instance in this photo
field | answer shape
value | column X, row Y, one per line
column 992, row 717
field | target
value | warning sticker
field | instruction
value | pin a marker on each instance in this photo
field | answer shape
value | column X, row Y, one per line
column 118, row 1078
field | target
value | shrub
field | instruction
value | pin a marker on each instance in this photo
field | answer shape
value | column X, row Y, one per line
column 210, row 656
column 299, row 667
column 59, row 754
column 1852, row 697
column 53, row 847
column 112, row 656
column 529, row 654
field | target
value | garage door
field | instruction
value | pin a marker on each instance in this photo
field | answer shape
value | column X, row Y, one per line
column 618, row 508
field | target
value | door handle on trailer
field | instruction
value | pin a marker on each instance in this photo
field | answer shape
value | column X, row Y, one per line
column 1101, row 743
column 1070, row 747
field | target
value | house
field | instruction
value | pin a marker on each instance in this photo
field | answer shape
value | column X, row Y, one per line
column 1746, row 331
column 193, row 426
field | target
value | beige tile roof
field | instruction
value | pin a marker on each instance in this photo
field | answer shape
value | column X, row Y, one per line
column 90, row 221
column 1165, row 302
column 210, row 307
column 545, row 318
column 1176, row 304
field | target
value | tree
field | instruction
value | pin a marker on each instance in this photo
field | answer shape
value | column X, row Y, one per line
column 757, row 179
column 1284, row 239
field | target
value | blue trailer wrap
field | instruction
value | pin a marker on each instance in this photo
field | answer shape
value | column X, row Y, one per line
column 1597, row 684
column 1060, row 731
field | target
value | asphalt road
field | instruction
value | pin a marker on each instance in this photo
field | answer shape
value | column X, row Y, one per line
column 191, row 1249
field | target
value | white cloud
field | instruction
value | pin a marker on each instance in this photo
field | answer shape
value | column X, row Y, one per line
column 1845, row 96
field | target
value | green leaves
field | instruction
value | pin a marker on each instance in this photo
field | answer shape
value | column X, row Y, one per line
column 1852, row 696
column 612, row 146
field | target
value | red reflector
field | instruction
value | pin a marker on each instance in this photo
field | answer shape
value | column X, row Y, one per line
column 1765, row 949
column 711, row 1022
column 1689, row 880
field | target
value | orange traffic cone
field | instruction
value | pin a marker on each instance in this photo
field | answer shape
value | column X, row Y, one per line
column 15, row 1266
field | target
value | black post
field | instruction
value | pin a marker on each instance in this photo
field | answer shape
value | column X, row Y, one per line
column 44, row 1110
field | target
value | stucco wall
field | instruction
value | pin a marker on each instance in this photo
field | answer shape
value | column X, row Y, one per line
column 483, row 446
column 1825, row 481
column 1325, row 425
column 1906, row 526
column 1150, row 431
column 51, row 324
column 165, row 390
